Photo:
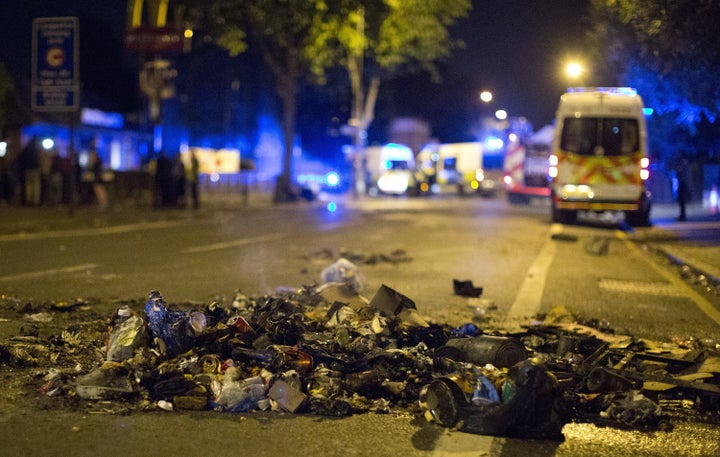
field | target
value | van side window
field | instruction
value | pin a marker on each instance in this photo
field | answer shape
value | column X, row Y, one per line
column 614, row 136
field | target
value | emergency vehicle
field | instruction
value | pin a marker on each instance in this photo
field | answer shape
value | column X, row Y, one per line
column 389, row 169
column 525, row 165
column 455, row 167
column 599, row 161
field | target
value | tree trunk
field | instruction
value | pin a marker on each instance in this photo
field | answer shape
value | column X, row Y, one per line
column 283, row 189
column 363, row 112
column 286, row 77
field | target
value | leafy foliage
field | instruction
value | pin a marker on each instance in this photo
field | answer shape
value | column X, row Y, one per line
column 669, row 51
column 311, row 37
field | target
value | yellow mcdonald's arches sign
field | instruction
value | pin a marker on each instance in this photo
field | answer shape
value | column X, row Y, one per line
column 155, row 11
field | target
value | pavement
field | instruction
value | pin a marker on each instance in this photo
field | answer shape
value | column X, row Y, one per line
column 680, row 242
column 666, row 234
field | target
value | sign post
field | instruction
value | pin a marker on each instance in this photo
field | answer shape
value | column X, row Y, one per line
column 56, row 77
column 56, row 66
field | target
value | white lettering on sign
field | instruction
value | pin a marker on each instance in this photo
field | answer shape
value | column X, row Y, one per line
column 55, row 98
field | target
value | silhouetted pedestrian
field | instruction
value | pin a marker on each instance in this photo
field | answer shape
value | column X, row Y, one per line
column 99, row 189
column 29, row 173
column 179, row 180
column 193, row 176
column 682, row 173
column 163, row 181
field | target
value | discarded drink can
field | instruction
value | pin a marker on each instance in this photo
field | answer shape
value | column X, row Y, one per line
column 443, row 399
column 536, row 410
column 500, row 351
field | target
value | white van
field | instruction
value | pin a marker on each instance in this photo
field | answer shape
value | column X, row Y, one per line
column 389, row 169
column 599, row 158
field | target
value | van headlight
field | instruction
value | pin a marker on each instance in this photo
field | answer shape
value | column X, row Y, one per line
column 577, row 191
column 393, row 183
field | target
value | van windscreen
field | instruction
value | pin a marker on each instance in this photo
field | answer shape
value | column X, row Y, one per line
column 600, row 136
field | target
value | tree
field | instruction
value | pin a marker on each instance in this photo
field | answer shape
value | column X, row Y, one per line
column 309, row 37
column 280, row 28
column 669, row 51
column 384, row 38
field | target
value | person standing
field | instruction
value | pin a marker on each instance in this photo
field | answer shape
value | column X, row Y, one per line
column 29, row 172
column 45, row 161
column 180, row 181
column 163, row 181
column 682, row 173
column 193, row 176
column 99, row 189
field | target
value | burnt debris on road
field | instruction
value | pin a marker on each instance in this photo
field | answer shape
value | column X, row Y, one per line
column 329, row 350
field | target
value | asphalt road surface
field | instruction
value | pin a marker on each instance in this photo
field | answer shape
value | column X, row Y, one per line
column 525, row 264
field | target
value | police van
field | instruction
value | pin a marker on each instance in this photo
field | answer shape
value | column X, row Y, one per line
column 599, row 162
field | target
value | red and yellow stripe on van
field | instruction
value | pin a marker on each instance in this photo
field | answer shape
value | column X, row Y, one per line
column 598, row 183
column 593, row 170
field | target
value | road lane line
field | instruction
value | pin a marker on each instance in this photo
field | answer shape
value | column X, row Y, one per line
column 529, row 298
column 49, row 272
column 701, row 302
column 527, row 302
column 91, row 231
column 232, row 244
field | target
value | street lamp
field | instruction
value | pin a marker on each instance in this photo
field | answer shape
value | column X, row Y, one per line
column 486, row 96
column 574, row 70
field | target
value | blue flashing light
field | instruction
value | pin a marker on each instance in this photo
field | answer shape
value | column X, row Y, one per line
column 331, row 207
column 395, row 146
column 494, row 143
column 607, row 90
column 48, row 143
column 332, row 179
column 648, row 111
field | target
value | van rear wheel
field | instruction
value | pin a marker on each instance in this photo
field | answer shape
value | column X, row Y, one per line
column 563, row 216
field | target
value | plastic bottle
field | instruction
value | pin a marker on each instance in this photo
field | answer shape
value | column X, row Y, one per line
column 125, row 337
column 346, row 272
column 240, row 395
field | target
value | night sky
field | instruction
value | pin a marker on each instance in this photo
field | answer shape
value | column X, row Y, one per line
column 514, row 48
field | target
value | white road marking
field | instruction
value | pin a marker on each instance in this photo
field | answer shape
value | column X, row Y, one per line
column 91, row 231
column 49, row 272
column 528, row 300
column 234, row 243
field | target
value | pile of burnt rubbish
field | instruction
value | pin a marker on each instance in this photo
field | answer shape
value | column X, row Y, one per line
column 328, row 350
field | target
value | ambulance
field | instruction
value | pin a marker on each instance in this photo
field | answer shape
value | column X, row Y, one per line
column 525, row 166
column 599, row 163
column 389, row 169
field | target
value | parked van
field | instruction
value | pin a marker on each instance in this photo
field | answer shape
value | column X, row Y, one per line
column 599, row 159
column 390, row 169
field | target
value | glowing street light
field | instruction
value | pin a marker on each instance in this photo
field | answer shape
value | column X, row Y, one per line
column 501, row 114
column 574, row 70
column 486, row 96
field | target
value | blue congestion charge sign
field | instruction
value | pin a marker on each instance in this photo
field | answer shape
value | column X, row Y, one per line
column 55, row 72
